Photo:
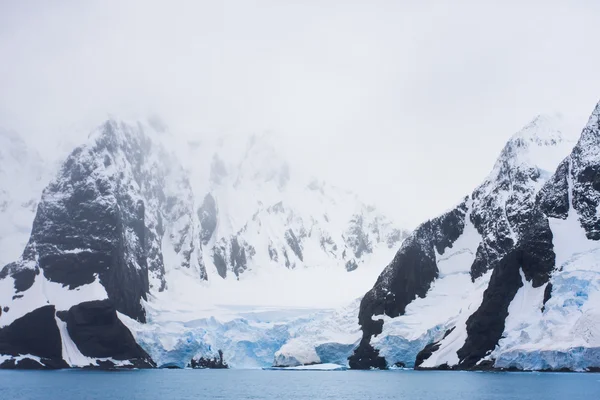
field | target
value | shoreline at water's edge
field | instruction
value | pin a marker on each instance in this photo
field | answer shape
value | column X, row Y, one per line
column 591, row 370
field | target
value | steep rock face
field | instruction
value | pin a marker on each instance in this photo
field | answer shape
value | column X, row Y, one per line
column 437, row 280
column 98, row 333
column 208, row 215
column 576, row 183
column 34, row 337
column 216, row 362
column 118, row 209
column 105, row 216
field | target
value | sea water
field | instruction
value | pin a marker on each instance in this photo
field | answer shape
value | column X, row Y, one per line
column 257, row 384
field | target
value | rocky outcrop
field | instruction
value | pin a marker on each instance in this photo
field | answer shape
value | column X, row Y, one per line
column 33, row 341
column 98, row 333
column 208, row 218
column 209, row 363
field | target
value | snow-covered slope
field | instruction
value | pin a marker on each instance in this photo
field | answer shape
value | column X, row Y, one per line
column 22, row 179
column 258, row 213
column 270, row 234
column 129, row 231
column 464, row 287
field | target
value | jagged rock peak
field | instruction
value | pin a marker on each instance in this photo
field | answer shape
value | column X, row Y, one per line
column 590, row 137
column 538, row 147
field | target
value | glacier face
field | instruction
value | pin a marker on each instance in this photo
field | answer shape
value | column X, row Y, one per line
column 508, row 279
column 259, row 338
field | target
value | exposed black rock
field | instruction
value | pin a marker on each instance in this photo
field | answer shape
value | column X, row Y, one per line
column 486, row 325
column 209, row 363
column 554, row 196
column 580, row 173
column 98, row 333
column 238, row 258
column 367, row 358
column 219, row 260
column 24, row 364
column 426, row 353
column 407, row 277
column 294, row 244
column 547, row 295
column 351, row 265
column 502, row 205
column 429, row 350
column 232, row 256
column 535, row 257
column 207, row 214
column 35, row 334
column 23, row 278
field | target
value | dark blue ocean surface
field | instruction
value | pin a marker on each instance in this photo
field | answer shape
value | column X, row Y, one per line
column 250, row 384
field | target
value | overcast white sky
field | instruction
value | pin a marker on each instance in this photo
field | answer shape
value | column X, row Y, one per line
column 405, row 102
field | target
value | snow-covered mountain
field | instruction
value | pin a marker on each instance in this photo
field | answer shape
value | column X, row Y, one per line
column 257, row 212
column 134, row 229
column 507, row 279
column 149, row 252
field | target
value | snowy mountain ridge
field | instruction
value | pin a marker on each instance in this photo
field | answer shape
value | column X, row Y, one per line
column 487, row 285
